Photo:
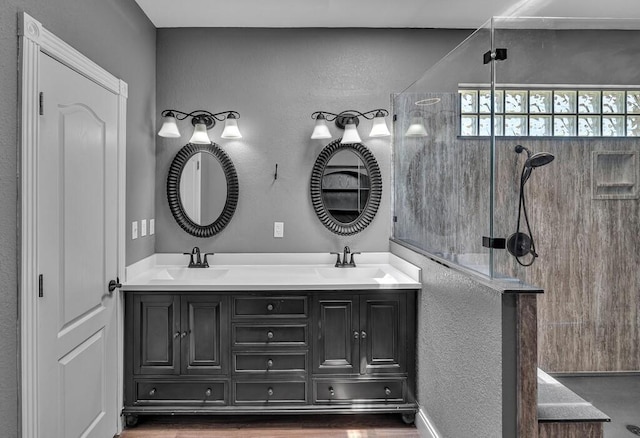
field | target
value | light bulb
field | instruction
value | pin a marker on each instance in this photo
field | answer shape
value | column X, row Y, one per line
column 350, row 133
column 231, row 127
column 379, row 127
column 321, row 130
column 169, row 127
column 200, row 135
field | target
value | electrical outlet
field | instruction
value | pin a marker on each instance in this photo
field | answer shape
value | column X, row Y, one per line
column 278, row 229
column 152, row 227
column 143, row 227
column 134, row 230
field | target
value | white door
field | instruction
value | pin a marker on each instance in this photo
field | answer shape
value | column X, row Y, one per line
column 77, row 256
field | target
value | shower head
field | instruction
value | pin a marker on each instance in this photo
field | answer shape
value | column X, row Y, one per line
column 538, row 160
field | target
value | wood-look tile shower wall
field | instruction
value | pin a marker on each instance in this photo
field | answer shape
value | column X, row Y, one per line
column 589, row 315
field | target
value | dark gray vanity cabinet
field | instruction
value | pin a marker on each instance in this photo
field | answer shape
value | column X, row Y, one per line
column 363, row 352
column 361, row 333
column 176, row 351
column 269, row 352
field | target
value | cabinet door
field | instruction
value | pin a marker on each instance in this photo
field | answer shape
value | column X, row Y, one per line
column 204, row 334
column 383, row 333
column 156, row 334
column 336, row 335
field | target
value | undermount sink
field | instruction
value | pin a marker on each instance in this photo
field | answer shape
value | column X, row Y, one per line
column 190, row 274
column 351, row 273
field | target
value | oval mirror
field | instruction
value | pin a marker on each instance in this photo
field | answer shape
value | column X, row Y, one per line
column 202, row 189
column 346, row 187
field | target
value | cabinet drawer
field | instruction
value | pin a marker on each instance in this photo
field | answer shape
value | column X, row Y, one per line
column 270, row 307
column 265, row 335
column 270, row 362
column 252, row 391
column 366, row 391
column 150, row 391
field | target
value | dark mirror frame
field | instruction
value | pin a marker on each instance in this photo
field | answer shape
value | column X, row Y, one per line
column 173, row 190
column 375, row 193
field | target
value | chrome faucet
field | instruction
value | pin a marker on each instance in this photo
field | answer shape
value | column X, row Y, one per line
column 199, row 262
column 345, row 256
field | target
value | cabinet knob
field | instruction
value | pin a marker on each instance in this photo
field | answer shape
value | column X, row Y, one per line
column 356, row 335
column 269, row 334
column 269, row 363
column 332, row 391
column 208, row 392
column 152, row 392
column 270, row 392
column 183, row 334
column 363, row 335
column 269, row 307
column 176, row 335
column 387, row 391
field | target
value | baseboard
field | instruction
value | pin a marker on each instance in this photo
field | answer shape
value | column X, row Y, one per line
column 425, row 426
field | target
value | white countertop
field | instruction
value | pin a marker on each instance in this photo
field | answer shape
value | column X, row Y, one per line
column 271, row 271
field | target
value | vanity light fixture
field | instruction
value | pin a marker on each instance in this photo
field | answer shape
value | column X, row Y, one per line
column 202, row 121
column 349, row 120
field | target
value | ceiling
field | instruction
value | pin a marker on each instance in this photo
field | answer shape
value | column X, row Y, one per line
column 466, row 14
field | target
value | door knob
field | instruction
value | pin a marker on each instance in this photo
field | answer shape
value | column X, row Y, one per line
column 114, row 284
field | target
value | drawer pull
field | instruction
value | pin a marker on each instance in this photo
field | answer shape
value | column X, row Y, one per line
column 269, row 363
column 387, row 391
column 208, row 392
column 363, row 335
column 270, row 307
column 269, row 334
column 152, row 392
column 332, row 391
column 356, row 335
column 270, row 392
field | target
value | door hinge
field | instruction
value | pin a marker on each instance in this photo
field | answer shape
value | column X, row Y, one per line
column 41, row 101
column 40, row 286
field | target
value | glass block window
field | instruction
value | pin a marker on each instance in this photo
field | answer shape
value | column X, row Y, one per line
column 550, row 112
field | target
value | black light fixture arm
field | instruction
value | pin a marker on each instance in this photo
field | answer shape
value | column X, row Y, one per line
column 369, row 115
column 201, row 116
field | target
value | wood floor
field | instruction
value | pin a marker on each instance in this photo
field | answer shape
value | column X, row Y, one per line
column 312, row 426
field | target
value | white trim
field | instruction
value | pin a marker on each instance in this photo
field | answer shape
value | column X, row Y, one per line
column 425, row 426
column 33, row 39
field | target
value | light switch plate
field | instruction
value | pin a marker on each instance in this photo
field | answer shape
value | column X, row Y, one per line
column 278, row 229
column 134, row 230
column 152, row 227
column 143, row 227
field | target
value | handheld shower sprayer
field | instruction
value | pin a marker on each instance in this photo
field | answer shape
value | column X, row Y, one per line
column 520, row 244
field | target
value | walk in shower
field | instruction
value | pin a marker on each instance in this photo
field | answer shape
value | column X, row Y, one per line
column 567, row 93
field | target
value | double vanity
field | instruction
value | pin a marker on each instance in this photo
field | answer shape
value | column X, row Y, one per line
column 270, row 334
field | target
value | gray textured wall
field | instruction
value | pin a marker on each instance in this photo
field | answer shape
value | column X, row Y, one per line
column 119, row 37
column 460, row 352
column 276, row 78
